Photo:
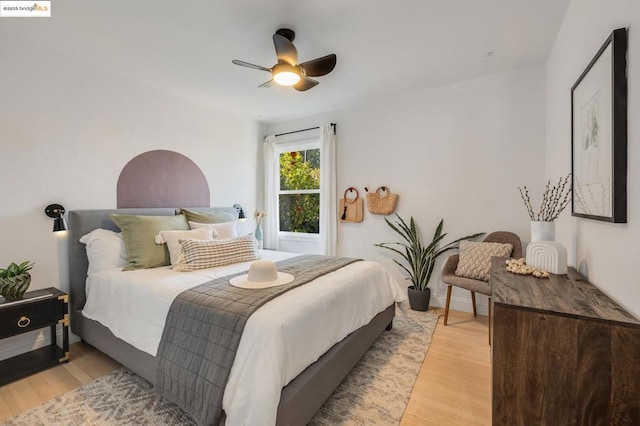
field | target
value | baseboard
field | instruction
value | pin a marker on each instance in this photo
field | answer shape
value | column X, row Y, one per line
column 460, row 303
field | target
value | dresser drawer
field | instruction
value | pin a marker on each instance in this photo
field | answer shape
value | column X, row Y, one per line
column 30, row 316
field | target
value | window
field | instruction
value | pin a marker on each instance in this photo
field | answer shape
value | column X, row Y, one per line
column 299, row 189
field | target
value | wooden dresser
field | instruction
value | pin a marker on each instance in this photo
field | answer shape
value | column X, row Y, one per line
column 563, row 352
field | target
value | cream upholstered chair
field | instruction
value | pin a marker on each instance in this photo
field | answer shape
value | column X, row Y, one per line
column 451, row 279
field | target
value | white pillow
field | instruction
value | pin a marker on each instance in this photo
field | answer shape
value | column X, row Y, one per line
column 172, row 239
column 224, row 230
column 105, row 250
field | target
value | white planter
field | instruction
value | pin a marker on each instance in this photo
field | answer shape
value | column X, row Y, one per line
column 543, row 231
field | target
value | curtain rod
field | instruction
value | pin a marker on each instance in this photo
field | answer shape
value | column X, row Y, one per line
column 333, row 125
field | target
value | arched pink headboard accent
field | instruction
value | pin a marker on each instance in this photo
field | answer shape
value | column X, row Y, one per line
column 162, row 179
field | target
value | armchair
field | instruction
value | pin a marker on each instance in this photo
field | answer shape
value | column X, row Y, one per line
column 451, row 279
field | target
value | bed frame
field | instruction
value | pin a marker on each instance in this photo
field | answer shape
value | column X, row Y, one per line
column 299, row 400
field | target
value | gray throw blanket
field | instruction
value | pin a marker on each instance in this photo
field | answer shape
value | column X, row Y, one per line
column 202, row 334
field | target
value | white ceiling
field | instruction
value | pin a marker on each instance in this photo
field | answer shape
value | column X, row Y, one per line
column 384, row 47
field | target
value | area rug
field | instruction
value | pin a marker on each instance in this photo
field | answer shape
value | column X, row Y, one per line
column 376, row 391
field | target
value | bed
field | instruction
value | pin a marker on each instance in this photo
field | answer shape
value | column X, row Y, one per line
column 302, row 396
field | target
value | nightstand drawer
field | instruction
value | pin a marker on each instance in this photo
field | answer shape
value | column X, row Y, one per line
column 31, row 316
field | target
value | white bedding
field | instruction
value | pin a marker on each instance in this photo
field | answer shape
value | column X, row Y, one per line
column 280, row 339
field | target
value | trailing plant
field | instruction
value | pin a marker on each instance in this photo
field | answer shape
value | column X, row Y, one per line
column 554, row 200
column 420, row 258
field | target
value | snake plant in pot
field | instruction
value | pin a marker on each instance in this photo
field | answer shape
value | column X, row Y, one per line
column 419, row 258
column 15, row 280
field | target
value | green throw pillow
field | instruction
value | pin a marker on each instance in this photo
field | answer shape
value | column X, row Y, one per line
column 139, row 238
column 203, row 217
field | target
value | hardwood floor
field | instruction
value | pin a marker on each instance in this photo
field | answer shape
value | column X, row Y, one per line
column 454, row 384
column 86, row 365
column 453, row 387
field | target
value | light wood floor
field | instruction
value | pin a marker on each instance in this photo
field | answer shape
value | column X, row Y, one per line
column 453, row 387
column 454, row 384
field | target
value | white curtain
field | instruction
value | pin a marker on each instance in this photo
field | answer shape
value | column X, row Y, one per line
column 271, row 184
column 328, row 200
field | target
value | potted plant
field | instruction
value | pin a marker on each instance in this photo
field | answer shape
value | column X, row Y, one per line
column 15, row 280
column 420, row 258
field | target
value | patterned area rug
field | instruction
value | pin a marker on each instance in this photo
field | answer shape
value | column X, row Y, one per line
column 375, row 392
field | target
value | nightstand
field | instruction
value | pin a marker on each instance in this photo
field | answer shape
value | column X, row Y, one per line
column 38, row 309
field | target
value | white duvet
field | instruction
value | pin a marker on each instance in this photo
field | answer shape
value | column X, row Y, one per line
column 280, row 339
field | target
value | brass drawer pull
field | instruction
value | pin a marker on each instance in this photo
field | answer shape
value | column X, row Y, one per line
column 23, row 322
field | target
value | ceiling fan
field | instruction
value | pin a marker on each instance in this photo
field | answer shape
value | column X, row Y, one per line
column 287, row 72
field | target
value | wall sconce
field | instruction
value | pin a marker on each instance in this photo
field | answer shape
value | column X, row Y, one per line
column 56, row 211
column 241, row 215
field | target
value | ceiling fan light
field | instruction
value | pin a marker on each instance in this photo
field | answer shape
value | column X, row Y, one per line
column 286, row 78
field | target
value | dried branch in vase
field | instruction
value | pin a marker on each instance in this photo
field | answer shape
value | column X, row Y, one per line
column 554, row 200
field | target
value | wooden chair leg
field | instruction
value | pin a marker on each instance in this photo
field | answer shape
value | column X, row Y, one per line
column 489, row 311
column 446, row 306
column 473, row 302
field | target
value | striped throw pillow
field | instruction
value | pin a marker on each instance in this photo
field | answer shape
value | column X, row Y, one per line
column 198, row 254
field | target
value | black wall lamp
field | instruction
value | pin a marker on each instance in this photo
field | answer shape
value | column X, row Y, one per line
column 56, row 211
column 241, row 215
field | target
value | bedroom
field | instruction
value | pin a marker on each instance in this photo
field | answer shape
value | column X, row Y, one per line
column 76, row 100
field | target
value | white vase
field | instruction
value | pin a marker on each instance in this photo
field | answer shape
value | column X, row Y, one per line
column 543, row 231
column 258, row 235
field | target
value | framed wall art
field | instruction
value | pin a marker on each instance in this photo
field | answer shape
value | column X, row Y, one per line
column 599, row 134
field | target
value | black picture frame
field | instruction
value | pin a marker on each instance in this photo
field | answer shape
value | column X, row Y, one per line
column 599, row 134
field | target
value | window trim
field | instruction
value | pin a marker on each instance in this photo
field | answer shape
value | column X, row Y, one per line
column 305, row 144
column 299, row 236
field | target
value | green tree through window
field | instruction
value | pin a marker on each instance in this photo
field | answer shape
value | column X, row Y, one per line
column 299, row 196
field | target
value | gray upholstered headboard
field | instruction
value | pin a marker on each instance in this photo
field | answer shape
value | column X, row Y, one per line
column 82, row 222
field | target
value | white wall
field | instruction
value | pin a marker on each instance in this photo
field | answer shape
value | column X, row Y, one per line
column 606, row 253
column 67, row 128
column 455, row 152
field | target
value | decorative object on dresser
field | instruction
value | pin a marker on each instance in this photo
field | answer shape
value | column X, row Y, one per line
column 39, row 309
column 563, row 352
column 15, row 280
column 519, row 266
column 421, row 259
column 547, row 255
column 543, row 231
column 56, row 211
column 450, row 277
column 554, row 200
column 351, row 207
column 382, row 201
column 599, row 134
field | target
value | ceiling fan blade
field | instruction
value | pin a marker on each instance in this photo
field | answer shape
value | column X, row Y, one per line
column 248, row 65
column 305, row 83
column 285, row 50
column 320, row 66
column 267, row 84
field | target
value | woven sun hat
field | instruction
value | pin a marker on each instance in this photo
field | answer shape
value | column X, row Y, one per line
column 262, row 274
